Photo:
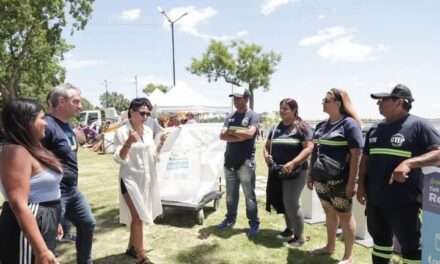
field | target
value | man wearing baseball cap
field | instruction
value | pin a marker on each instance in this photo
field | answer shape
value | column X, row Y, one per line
column 390, row 176
column 239, row 132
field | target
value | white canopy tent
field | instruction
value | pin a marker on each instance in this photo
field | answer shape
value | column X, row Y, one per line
column 185, row 99
column 156, row 96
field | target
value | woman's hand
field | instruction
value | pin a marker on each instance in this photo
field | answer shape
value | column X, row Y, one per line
column 163, row 137
column 350, row 189
column 288, row 167
column 60, row 232
column 47, row 257
column 361, row 194
column 132, row 137
column 310, row 183
column 268, row 159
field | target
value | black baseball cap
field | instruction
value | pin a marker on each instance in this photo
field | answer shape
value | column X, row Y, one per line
column 399, row 91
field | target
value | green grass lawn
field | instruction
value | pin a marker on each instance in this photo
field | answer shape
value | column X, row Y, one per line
column 178, row 239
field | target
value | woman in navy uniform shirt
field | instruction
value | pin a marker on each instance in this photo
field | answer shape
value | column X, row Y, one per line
column 338, row 139
column 288, row 145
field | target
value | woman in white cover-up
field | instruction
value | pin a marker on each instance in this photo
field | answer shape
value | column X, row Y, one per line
column 135, row 151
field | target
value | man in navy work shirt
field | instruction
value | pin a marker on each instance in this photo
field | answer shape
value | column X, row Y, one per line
column 239, row 132
column 390, row 176
column 59, row 138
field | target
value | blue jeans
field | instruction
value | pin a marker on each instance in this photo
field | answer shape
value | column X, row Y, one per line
column 246, row 176
column 76, row 209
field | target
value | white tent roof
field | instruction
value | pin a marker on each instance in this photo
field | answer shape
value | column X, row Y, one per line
column 156, row 96
column 185, row 99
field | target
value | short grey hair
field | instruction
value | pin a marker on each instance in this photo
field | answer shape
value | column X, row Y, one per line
column 61, row 90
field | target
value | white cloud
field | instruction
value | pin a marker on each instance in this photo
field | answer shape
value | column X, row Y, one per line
column 344, row 49
column 324, row 35
column 130, row 14
column 337, row 44
column 73, row 64
column 382, row 47
column 194, row 18
column 269, row 6
column 321, row 17
column 242, row 33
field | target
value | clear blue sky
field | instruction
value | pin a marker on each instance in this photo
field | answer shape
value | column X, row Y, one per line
column 362, row 46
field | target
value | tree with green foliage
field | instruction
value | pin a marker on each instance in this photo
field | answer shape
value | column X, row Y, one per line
column 86, row 104
column 114, row 99
column 149, row 88
column 32, row 46
column 238, row 63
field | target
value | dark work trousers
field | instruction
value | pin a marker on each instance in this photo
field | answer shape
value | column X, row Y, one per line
column 404, row 223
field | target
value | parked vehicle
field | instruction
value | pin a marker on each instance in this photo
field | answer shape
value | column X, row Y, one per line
column 86, row 118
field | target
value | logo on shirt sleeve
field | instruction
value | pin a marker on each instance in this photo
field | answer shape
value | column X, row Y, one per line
column 397, row 140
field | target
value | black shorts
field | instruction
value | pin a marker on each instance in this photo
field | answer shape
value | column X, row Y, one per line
column 123, row 187
column 14, row 247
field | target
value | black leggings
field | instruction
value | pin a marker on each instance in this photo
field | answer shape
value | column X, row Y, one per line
column 14, row 246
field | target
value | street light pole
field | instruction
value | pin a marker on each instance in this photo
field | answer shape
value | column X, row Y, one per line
column 174, row 60
column 172, row 22
column 106, row 93
column 136, row 84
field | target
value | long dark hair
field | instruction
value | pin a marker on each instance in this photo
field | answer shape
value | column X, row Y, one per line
column 298, row 123
column 18, row 117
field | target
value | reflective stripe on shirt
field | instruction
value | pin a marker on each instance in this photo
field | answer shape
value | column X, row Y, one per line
column 237, row 128
column 331, row 142
column 286, row 141
column 390, row 152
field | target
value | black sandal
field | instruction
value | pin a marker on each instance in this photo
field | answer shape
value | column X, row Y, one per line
column 131, row 252
column 145, row 260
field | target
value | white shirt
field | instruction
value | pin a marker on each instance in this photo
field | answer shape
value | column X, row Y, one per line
column 138, row 172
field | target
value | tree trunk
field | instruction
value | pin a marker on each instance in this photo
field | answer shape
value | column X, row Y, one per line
column 251, row 98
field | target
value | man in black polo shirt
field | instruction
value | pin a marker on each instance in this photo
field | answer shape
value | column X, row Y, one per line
column 239, row 132
column 59, row 138
column 390, row 176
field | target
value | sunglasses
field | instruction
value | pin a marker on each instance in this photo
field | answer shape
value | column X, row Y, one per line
column 144, row 114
